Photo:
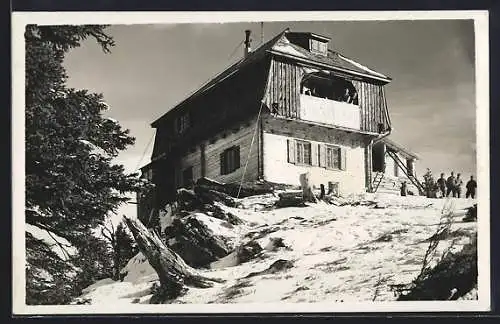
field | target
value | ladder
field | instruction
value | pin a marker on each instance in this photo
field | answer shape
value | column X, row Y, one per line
column 379, row 176
column 410, row 176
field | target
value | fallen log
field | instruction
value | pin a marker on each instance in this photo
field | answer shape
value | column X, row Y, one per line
column 290, row 199
column 236, row 190
column 173, row 272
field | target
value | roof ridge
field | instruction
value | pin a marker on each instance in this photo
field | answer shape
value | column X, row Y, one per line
column 225, row 73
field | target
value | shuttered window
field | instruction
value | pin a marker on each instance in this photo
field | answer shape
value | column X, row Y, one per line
column 332, row 157
column 303, row 152
column 323, row 155
column 230, row 160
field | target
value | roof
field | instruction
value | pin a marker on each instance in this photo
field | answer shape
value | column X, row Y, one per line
column 281, row 46
column 313, row 35
column 333, row 60
column 399, row 148
column 251, row 57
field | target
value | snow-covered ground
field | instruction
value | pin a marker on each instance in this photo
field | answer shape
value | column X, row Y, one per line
column 339, row 253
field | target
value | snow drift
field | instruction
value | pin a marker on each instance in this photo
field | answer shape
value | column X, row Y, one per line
column 356, row 251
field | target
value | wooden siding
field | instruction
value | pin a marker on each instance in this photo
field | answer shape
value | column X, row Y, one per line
column 283, row 93
column 372, row 105
column 209, row 152
column 236, row 98
column 284, row 88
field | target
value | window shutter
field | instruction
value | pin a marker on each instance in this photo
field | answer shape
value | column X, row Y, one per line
column 222, row 163
column 314, row 154
column 322, row 155
column 342, row 158
column 291, row 150
column 237, row 156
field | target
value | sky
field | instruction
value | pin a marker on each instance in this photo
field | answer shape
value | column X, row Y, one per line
column 431, row 99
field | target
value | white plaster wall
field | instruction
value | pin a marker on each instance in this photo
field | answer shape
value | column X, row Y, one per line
column 390, row 165
column 330, row 112
column 277, row 169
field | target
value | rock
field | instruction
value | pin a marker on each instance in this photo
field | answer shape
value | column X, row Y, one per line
column 277, row 266
column 471, row 215
column 241, row 254
column 195, row 242
column 248, row 251
column 275, row 243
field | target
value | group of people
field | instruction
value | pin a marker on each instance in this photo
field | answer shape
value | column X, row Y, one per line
column 453, row 185
column 346, row 95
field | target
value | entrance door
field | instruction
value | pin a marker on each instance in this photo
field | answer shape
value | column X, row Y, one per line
column 378, row 157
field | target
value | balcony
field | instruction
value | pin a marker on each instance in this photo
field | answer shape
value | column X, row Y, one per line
column 328, row 111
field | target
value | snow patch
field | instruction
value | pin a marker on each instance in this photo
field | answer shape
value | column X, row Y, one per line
column 287, row 49
column 57, row 244
column 138, row 270
column 95, row 149
column 339, row 253
column 362, row 66
column 111, row 120
column 216, row 225
column 104, row 105
column 166, row 217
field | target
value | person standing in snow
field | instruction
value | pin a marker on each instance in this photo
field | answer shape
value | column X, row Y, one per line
column 441, row 182
column 471, row 188
column 450, row 185
column 404, row 189
column 458, row 186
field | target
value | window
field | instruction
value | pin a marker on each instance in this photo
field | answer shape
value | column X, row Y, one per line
column 187, row 177
column 182, row 123
column 230, row 160
column 333, row 157
column 318, row 47
column 303, row 152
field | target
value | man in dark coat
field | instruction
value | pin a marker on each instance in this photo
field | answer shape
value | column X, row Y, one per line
column 441, row 182
column 450, row 185
column 471, row 188
column 404, row 189
column 458, row 186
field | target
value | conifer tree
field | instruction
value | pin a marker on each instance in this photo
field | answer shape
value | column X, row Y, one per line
column 72, row 183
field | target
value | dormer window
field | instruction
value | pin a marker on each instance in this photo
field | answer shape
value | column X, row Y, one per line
column 318, row 47
column 314, row 43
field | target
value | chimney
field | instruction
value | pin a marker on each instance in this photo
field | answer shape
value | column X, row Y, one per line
column 247, row 42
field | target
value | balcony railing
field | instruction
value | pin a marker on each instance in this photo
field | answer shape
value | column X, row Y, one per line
column 328, row 111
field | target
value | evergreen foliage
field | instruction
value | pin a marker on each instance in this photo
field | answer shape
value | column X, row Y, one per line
column 72, row 183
